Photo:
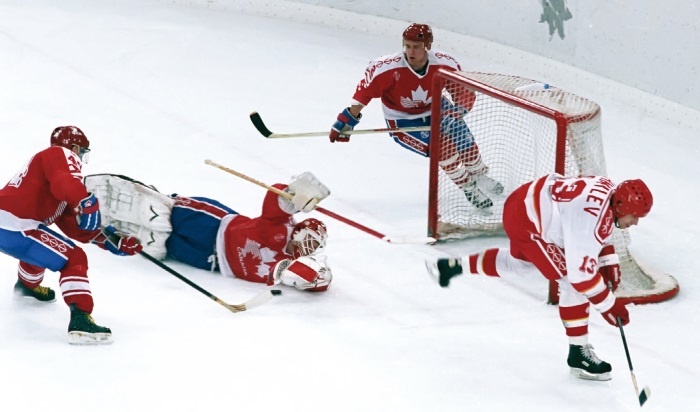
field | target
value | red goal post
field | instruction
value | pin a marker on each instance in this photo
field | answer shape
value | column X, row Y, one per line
column 523, row 131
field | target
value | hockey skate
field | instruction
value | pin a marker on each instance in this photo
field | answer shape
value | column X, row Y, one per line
column 41, row 293
column 476, row 196
column 443, row 270
column 82, row 330
column 585, row 364
column 488, row 184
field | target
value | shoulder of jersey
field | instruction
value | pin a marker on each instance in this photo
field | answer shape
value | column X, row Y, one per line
column 442, row 58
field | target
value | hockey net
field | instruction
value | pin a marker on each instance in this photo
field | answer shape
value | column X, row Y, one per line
column 524, row 131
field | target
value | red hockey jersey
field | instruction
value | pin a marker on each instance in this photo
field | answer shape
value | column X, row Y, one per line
column 404, row 93
column 46, row 190
column 250, row 248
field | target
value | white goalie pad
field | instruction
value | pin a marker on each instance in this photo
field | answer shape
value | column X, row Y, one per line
column 134, row 208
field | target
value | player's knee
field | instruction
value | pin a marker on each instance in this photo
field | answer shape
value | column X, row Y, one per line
column 77, row 263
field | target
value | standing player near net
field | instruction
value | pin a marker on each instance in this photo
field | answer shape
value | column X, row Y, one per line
column 50, row 190
column 561, row 227
column 403, row 83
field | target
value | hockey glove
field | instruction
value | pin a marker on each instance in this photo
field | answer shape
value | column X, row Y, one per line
column 618, row 309
column 89, row 217
column 345, row 122
column 305, row 273
column 307, row 191
column 609, row 267
column 119, row 243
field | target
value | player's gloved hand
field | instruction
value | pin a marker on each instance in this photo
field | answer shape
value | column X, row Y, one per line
column 307, row 191
column 618, row 309
column 89, row 217
column 305, row 273
column 119, row 243
column 346, row 121
column 609, row 266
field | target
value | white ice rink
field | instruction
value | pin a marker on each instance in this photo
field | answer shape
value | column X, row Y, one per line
column 158, row 88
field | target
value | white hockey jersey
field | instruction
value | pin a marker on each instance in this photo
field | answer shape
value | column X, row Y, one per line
column 574, row 214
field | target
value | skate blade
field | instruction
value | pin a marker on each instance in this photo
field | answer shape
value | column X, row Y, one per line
column 86, row 338
column 21, row 297
column 433, row 271
column 582, row 374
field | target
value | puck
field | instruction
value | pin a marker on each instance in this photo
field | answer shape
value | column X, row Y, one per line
column 276, row 292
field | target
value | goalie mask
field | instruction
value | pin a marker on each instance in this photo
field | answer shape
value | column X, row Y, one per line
column 308, row 237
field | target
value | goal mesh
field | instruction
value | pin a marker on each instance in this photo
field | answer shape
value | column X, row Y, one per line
column 523, row 131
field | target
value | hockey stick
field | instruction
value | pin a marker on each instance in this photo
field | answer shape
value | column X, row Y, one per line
column 646, row 392
column 257, row 300
column 260, row 125
column 324, row 211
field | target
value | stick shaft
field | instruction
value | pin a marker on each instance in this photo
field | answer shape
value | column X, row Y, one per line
column 262, row 128
column 288, row 196
column 232, row 308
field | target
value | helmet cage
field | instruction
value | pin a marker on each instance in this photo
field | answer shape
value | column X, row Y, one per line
column 308, row 238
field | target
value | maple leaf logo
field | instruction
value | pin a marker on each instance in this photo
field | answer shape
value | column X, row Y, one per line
column 265, row 254
column 419, row 98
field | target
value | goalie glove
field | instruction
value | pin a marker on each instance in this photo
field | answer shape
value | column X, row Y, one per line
column 609, row 266
column 305, row 273
column 119, row 243
column 307, row 191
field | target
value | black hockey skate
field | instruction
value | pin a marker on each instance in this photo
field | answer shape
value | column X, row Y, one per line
column 443, row 270
column 585, row 364
column 41, row 293
column 82, row 330
column 476, row 196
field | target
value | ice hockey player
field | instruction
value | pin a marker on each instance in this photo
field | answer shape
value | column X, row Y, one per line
column 48, row 190
column 562, row 227
column 202, row 232
column 403, row 81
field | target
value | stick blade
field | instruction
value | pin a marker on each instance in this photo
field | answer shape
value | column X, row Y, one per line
column 258, row 123
column 644, row 395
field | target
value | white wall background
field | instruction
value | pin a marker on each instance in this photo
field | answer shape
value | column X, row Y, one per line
column 646, row 44
column 648, row 65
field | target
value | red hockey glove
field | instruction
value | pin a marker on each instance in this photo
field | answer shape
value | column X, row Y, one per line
column 89, row 217
column 618, row 309
column 609, row 267
column 119, row 243
column 346, row 121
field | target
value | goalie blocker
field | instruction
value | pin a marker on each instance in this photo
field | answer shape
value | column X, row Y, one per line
column 202, row 232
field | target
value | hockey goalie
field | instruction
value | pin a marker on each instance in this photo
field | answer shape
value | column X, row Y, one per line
column 272, row 248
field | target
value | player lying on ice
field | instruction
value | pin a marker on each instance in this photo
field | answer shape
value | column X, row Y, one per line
column 562, row 227
column 271, row 248
column 49, row 190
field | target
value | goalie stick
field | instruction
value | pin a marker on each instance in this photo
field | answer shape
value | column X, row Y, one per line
column 390, row 239
column 257, row 300
column 260, row 125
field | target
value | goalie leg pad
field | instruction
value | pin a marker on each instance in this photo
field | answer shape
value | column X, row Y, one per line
column 134, row 208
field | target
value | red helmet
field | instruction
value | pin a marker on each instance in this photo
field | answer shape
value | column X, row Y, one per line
column 419, row 32
column 632, row 197
column 308, row 237
column 69, row 136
